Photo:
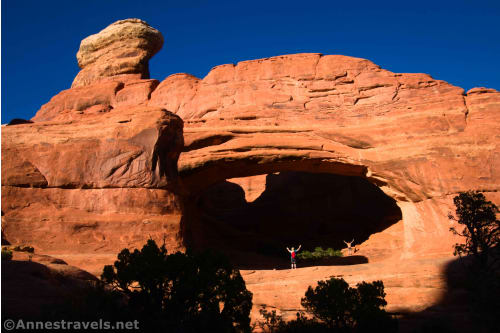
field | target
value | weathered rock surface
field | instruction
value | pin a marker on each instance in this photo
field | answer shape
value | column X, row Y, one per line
column 286, row 287
column 94, row 185
column 98, row 98
column 419, row 139
column 122, row 49
column 410, row 285
column 96, row 171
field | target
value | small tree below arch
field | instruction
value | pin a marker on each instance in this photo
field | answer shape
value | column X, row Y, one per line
column 481, row 228
column 181, row 292
column 343, row 308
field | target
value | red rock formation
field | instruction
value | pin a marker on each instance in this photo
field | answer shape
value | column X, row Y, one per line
column 98, row 98
column 122, row 49
column 94, row 185
column 421, row 140
column 97, row 171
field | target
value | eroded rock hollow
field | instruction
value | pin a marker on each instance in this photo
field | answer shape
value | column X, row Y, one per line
column 308, row 209
column 304, row 147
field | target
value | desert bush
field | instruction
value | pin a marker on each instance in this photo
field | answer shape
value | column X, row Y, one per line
column 28, row 249
column 336, row 307
column 319, row 253
column 6, row 254
column 181, row 292
column 343, row 308
column 481, row 229
column 303, row 324
column 274, row 323
column 481, row 255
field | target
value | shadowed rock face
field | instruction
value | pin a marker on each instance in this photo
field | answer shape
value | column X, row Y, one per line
column 101, row 167
column 33, row 284
column 294, row 208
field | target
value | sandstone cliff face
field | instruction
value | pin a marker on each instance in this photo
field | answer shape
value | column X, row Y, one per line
column 101, row 167
column 93, row 186
column 419, row 139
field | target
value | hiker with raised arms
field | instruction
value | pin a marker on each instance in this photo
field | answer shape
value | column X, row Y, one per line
column 349, row 246
column 293, row 256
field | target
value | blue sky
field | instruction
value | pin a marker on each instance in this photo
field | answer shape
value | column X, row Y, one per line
column 456, row 41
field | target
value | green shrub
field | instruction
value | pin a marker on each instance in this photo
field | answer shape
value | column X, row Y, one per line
column 481, row 229
column 319, row 253
column 480, row 255
column 29, row 249
column 341, row 307
column 181, row 292
column 304, row 325
column 6, row 254
column 333, row 253
column 336, row 307
column 274, row 323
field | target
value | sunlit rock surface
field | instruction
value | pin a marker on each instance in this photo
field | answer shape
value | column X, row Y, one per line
column 121, row 49
column 120, row 158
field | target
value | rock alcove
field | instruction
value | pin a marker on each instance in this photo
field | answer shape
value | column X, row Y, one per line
column 253, row 219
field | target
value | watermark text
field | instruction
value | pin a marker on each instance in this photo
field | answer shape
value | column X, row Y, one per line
column 20, row 324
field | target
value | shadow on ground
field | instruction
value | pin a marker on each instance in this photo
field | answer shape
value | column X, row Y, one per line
column 460, row 309
column 29, row 288
column 279, row 264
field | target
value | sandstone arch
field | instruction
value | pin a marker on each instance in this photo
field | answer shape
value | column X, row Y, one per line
column 312, row 209
column 96, row 170
column 419, row 139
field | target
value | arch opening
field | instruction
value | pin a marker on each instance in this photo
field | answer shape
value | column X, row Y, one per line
column 253, row 219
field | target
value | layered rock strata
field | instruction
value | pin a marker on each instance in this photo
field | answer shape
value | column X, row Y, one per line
column 93, row 186
column 122, row 49
column 419, row 139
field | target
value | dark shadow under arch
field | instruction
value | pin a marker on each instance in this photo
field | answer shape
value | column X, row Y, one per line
column 311, row 209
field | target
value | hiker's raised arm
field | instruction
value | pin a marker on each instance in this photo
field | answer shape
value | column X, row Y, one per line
column 346, row 243
column 352, row 241
column 289, row 250
column 299, row 247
